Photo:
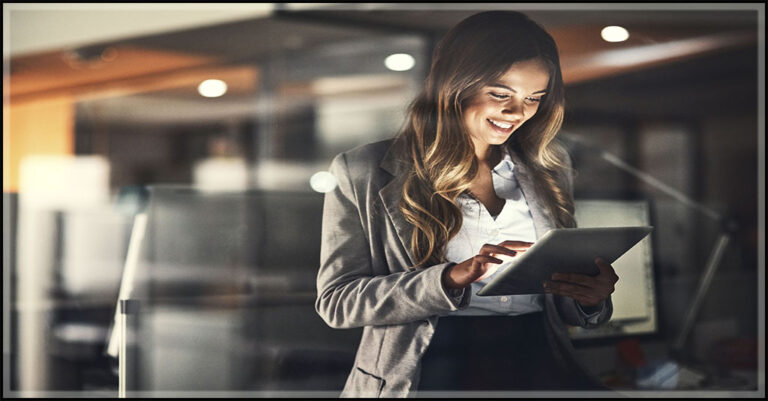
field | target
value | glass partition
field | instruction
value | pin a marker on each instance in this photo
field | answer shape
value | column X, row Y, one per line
column 225, row 283
column 225, row 261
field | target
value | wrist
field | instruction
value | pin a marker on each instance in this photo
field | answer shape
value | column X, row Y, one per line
column 447, row 279
column 588, row 309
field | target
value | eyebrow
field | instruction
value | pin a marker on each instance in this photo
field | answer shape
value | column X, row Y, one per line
column 498, row 85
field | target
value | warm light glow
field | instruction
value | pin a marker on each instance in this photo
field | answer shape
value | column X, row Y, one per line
column 399, row 62
column 221, row 174
column 614, row 34
column 212, row 88
column 64, row 181
column 322, row 181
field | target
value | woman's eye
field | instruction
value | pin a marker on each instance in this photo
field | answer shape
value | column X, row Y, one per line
column 504, row 97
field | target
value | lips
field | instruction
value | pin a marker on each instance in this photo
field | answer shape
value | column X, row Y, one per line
column 501, row 130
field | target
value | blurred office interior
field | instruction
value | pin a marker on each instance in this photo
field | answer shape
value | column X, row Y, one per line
column 175, row 155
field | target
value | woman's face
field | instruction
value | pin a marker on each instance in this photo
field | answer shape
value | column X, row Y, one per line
column 501, row 107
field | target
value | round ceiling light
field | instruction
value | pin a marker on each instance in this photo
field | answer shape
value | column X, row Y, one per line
column 399, row 62
column 614, row 33
column 322, row 181
column 212, row 88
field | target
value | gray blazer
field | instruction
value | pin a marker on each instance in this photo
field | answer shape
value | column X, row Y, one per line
column 367, row 279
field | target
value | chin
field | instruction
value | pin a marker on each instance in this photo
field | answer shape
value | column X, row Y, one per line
column 497, row 143
column 498, row 140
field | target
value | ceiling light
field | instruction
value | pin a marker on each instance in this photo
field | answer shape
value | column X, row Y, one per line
column 212, row 88
column 399, row 62
column 322, row 181
column 614, row 33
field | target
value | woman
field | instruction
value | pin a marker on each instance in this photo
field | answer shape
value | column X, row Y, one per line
column 416, row 225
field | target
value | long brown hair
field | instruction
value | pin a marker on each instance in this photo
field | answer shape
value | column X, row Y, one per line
column 440, row 153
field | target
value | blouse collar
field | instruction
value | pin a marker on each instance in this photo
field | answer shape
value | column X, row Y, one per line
column 506, row 167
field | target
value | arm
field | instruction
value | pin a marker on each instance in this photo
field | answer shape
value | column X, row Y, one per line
column 575, row 315
column 350, row 294
column 571, row 311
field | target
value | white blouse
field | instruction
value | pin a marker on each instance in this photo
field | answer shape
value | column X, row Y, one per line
column 514, row 222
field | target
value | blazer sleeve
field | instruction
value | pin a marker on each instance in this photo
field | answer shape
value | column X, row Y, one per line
column 349, row 293
column 570, row 311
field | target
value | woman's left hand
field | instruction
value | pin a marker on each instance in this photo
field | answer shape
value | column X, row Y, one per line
column 586, row 290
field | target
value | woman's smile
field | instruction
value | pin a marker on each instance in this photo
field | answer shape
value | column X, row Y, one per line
column 502, row 106
column 501, row 128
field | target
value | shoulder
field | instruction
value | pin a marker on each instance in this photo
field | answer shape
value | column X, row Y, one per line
column 368, row 154
column 565, row 173
column 565, row 156
column 363, row 160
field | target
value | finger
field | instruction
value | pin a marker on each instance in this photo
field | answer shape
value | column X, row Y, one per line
column 584, row 299
column 604, row 266
column 606, row 269
column 598, row 291
column 481, row 259
column 491, row 269
column 495, row 249
column 516, row 245
column 593, row 282
column 560, row 285
column 582, row 279
column 562, row 292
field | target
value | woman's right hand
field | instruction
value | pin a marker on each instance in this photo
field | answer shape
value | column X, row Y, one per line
column 482, row 265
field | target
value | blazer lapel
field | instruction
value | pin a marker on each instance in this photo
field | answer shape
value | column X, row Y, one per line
column 542, row 220
column 390, row 196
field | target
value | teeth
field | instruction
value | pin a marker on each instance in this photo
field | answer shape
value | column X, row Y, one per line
column 500, row 125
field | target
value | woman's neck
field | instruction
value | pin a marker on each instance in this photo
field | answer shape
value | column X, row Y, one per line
column 489, row 156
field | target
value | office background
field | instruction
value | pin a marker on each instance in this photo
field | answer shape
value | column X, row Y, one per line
column 110, row 114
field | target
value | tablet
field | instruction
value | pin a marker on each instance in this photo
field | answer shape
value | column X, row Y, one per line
column 562, row 250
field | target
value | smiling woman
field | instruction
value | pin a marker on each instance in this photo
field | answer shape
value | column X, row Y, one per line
column 504, row 106
column 418, row 224
column 494, row 113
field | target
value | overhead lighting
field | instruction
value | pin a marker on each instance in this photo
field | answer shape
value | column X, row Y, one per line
column 212, row 88
column 614, row 33
column 399, row 62
column 322, row 181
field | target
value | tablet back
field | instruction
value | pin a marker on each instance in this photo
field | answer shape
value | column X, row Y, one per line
column 569, row 250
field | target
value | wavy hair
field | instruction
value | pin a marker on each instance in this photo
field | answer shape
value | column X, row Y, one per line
column 440, row 154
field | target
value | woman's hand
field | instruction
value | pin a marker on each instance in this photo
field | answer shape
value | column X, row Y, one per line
column 586, row 290
column 482, row 265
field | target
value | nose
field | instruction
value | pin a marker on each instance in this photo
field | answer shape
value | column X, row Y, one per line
column 514, row 109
